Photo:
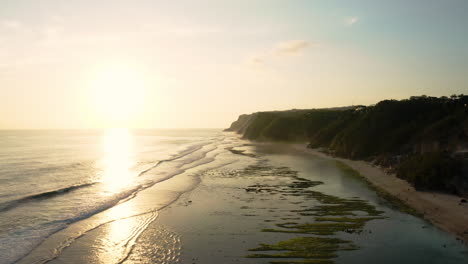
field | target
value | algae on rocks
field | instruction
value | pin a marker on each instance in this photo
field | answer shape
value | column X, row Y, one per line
column 323, row 218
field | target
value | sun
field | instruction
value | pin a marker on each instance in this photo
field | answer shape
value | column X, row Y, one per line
column 118, row 94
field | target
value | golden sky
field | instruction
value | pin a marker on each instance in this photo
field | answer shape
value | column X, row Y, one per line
column 197, row 64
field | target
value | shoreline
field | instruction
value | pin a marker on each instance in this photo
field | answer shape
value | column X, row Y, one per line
column 241, row 212
column 442, row 210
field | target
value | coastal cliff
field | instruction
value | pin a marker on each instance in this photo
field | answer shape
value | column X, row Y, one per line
column 424, row 140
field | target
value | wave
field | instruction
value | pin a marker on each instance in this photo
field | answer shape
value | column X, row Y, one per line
column 176, row 157
column 40, row 196
column 53, row 193
column 190, row 158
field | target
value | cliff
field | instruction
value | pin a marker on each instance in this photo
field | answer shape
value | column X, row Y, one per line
column 423, row 139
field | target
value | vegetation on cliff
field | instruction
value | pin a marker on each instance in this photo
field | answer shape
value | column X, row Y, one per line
column 423, row 139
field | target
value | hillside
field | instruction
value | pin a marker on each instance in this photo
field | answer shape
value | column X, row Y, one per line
column 424, row 140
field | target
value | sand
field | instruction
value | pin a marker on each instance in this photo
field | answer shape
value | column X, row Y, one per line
column 225, row 206
column 442, row 210
column 221, row 219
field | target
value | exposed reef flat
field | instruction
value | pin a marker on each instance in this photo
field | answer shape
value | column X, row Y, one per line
column 281, row 205
column 285, row 219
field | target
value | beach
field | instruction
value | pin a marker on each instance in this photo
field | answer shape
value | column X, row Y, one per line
column 245, row 202
column 223, row 219
column 443, row 210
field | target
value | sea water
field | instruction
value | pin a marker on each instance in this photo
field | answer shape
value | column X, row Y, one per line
column 75, row 196
column 50, row 179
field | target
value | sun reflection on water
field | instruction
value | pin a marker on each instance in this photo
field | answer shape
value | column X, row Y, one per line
column 119, row 234
column 118, row 160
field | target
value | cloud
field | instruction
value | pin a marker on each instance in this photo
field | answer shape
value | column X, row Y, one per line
column 192, row 31
column 185, row 29
column 292, row 47
column 350, row 21
column 256, row 60
column 281, row 50
column 10, row 24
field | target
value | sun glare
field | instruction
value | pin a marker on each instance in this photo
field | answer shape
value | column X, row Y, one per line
column 118, row 94
column 116, row 165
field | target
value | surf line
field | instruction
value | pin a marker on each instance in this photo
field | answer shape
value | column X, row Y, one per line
column 71, row 239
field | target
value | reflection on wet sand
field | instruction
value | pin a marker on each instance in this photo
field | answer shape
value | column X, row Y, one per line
column 120, row 236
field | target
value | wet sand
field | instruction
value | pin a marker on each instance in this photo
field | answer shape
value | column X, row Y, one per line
column 238, row 215
column 264, row 203
column 443, row 210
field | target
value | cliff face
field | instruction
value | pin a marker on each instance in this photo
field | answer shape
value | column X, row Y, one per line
column 418, row 138
column 241, row 124
column 291, row 125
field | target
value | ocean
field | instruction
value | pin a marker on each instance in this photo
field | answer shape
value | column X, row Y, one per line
column 194, row 196
column 50, row 179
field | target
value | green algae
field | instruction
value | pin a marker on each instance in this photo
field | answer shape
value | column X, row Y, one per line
column 311, row 249
column 393, row 201
column 311, row 261
column 346, row 219
column 321, row 229
column 346, row 208
column 335, row 206
column 290, row 218
column 326, row 218
column 324, row 226
column 396, row 203
column 302, row 183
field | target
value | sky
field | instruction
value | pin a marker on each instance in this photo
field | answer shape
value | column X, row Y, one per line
column 201, row 63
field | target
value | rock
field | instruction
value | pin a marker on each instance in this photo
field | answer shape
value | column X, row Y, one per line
column 463, row 201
